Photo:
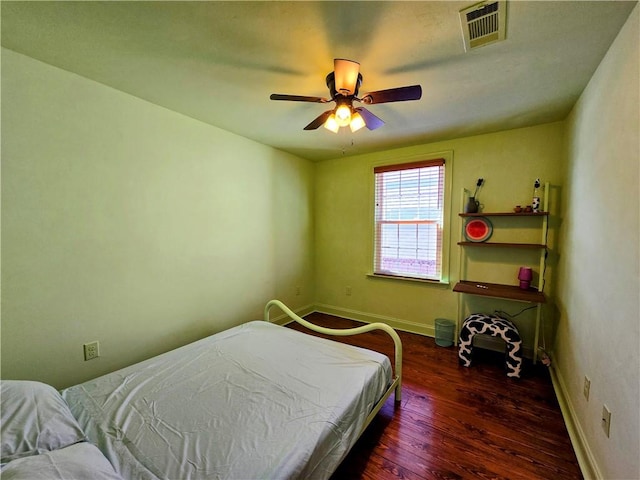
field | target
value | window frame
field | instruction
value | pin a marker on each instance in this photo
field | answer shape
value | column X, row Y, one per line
column 447, row 157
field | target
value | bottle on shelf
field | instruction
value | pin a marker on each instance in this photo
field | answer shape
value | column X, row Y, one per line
column 535, row 202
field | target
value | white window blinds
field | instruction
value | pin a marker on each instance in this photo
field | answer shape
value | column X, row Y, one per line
column 409, row 203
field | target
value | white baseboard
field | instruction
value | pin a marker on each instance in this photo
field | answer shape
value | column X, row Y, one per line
column 284, row 319
column 397, row 323
column 586, row 460
column 482, row 341
column 497, row 345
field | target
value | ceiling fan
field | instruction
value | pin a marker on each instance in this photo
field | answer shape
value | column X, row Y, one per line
column 344, row 83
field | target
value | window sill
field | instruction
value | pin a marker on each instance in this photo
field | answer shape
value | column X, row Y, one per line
column 436, row 283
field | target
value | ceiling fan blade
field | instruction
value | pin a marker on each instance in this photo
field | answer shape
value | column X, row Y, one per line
column 297, row 98
column 370, row 120
column 400, row 94
column 319, row 120
column 346, row 75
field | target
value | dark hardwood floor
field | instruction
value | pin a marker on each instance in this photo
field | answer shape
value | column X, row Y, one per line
column 456, row 422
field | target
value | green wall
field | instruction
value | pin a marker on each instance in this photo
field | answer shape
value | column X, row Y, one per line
column 509, row 162
column 133, row 225
column 130, row 224
column 599, row 286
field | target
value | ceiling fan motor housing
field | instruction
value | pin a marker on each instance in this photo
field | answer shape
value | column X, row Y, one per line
column 331, row 84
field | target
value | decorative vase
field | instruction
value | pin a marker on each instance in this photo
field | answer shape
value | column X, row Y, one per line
column 472, row 205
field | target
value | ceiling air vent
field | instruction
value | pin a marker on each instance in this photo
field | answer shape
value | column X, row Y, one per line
column 483, row 23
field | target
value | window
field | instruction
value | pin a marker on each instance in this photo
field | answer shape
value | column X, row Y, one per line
column 409, row 213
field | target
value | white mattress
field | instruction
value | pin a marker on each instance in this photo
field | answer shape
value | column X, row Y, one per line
column 255, row 401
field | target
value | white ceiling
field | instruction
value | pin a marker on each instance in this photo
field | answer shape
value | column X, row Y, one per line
column 218, row 62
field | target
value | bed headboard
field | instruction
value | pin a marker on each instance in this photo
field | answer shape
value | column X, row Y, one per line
column 346, row 332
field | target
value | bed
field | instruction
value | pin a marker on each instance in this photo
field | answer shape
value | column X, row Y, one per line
column 256, row 401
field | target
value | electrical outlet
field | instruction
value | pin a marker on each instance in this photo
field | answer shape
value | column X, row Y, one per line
column 91, row 350
column 347, row 290
column 606, row 420
column 586, row 388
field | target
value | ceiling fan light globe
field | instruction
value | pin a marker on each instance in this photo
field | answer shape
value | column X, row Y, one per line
column 343, row 115
column 357, row 122
column 332, row 124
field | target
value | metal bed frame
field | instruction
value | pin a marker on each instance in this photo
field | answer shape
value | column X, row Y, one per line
column 396, row 383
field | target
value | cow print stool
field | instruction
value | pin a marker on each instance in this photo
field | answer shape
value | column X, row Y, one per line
column 496, row 327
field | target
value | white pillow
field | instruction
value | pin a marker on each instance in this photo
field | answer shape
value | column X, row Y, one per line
column 81, row 461
column 35, row 419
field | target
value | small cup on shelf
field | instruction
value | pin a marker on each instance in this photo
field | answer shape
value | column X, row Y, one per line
column 528, row 209
column 517, row 209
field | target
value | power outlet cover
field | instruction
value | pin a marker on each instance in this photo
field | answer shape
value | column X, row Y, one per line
column 606, row 420
column 587, row 387
column 91, row 350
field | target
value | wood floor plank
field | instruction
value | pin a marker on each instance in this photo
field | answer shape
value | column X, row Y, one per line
column 456, row 422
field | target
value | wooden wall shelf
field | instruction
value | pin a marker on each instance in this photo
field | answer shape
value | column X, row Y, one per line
column 505, row 214
column 502, row 244
column 510, row 292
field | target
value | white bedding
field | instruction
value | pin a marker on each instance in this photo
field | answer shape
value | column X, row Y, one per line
column 80, row 461
column 255, row 401
column 34, row 419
